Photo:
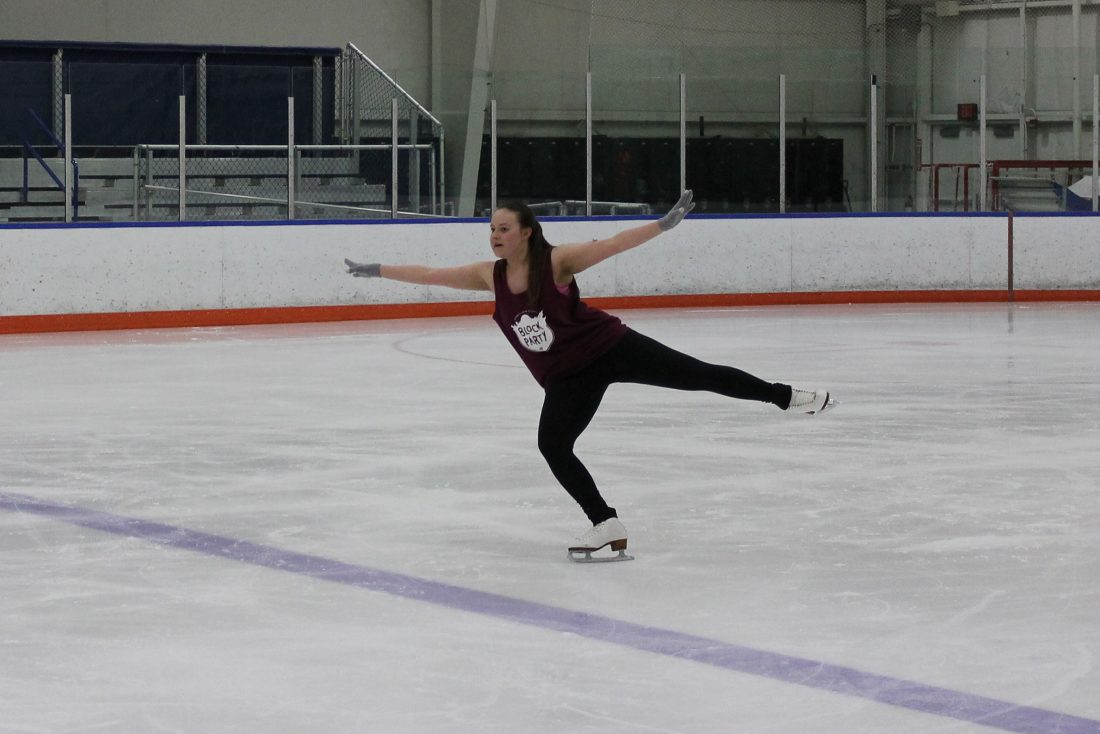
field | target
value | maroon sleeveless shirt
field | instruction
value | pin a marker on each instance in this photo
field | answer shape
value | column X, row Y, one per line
column 559, row 337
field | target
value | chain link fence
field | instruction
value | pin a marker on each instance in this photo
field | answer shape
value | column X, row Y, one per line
column 404, row 143
column 732, row 56
column 222, row 183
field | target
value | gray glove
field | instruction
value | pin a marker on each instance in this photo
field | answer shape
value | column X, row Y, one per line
column 678, row 212
column 359, row 270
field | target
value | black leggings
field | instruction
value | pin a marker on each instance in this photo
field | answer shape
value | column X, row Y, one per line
column 572, row 401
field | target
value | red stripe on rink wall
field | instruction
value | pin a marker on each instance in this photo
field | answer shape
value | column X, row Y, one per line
column 46, row 323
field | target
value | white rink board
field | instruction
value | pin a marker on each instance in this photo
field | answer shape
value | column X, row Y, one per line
column 95, row 269
column 1053, row 253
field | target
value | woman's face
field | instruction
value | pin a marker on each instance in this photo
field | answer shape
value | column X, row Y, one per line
column 506, row 237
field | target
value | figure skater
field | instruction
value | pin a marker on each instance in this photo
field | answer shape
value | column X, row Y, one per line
column 575, row 351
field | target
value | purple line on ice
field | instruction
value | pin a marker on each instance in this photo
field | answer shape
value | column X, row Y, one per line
column 810, row 673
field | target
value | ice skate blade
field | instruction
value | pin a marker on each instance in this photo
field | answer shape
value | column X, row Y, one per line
column 585, row 556
column 830, row 403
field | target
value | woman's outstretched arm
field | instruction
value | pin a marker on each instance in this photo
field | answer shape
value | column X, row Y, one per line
column 472, row 277
column 572, row 259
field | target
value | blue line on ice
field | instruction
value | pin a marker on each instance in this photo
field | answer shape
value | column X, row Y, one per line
column 800, row 671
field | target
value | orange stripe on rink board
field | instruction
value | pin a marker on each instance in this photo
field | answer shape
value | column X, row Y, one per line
column 233, row 317
column 727, row 300
column 718, row 300
column 1036, row 296
column 312, row 314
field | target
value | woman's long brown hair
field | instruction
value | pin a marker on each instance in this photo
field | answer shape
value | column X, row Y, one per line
column 537, row 247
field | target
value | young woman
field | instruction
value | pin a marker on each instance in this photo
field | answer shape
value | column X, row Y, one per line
column 575, row 351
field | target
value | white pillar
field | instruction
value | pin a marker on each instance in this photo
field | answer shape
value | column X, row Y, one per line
column 481, row 40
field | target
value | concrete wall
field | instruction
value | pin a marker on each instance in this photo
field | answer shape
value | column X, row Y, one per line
column 395, row 33
column 90, row 269
column 732, row 50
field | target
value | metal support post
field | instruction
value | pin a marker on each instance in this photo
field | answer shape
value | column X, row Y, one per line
column 442, row 173
column 393, row 157
column 200, row 100
column 983, row 173
column 588, row 144
column 1025, row 52
column 1096, row 142
column 318, row 99
column 782, row 143
column 1076, row 15
column 147, row 199
column 874, row 145
column 291, row 171
column 58, row 98
column 70, row 192
column 925, row 141
column 492, row 155
column 341, row 95
column 414, row 161
column 354, row 111
column 136, row 184
column 431, row 179
column 683, row 132
column 183, row 159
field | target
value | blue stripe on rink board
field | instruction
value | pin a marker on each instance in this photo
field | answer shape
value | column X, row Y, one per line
column 192, row 223
column 799, row 671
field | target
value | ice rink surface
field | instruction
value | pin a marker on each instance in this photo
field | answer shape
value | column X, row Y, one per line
column 349, row 528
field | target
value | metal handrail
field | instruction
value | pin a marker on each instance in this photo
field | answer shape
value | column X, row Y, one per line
column 396, row 86
column 243, row 148
column 614, row 206
column 145, row 187
column 282, row 202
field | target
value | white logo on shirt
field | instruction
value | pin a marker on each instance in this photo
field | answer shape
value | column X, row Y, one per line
column 533, row 332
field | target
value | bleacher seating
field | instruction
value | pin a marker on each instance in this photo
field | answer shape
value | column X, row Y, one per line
column 112, row 190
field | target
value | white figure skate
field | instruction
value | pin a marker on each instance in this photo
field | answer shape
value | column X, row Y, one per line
column 607, row 533
column 810, row 401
